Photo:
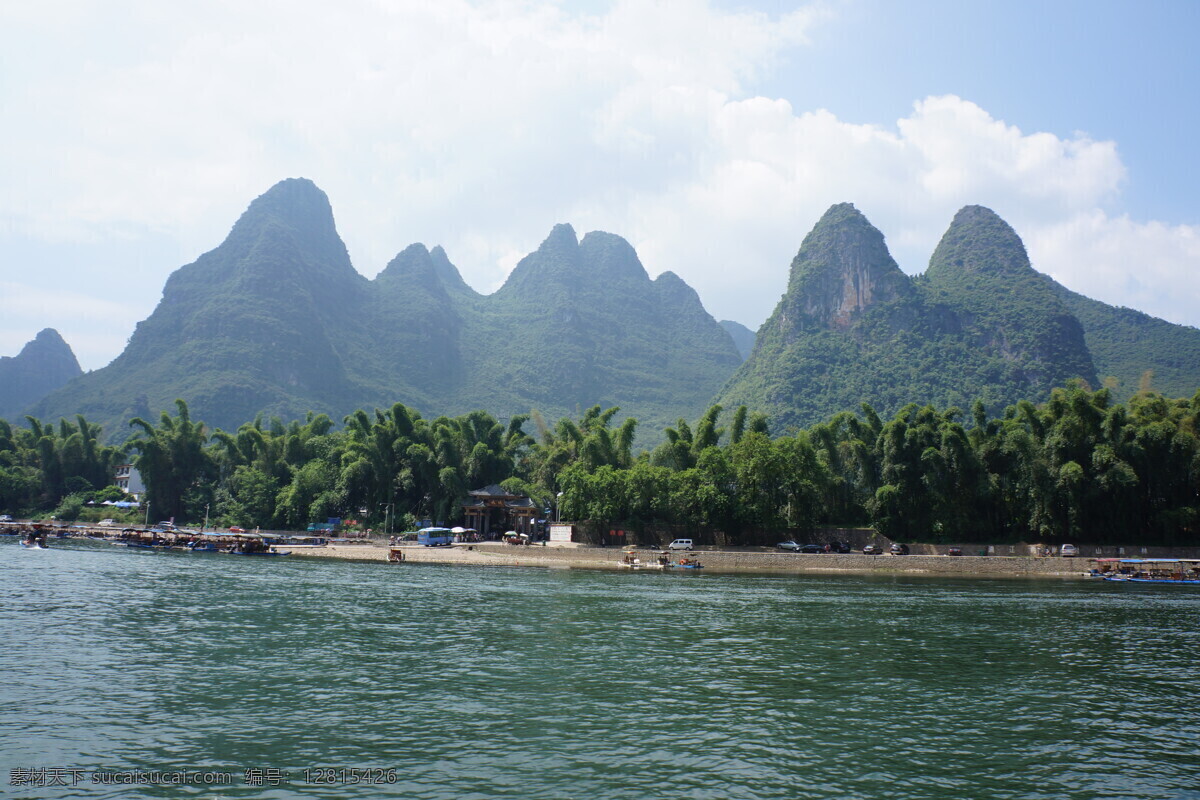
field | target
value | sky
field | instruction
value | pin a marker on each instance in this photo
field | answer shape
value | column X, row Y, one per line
column 712, row 135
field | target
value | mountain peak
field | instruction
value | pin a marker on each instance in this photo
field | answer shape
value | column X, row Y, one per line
column 675, row 289
column 980, row 269
column 413, row 260
column 299, row 207
column 979, row 241
column 843, row 267
column 611, row 256
column 446, row 270
column 49, row 338
column 561, row 235
column 428, row 268
column 44, row 364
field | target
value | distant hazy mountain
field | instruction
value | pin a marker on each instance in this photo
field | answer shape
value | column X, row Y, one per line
column 277, row 320
column 42, row 366
column 743, row 337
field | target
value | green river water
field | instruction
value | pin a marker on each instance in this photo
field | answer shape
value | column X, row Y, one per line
column 320, row 678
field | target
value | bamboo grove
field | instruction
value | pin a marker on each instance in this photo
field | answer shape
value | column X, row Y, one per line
column 1076, row 468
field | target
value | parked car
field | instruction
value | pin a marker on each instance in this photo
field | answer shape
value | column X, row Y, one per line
column 839, row 547
column 899, row 549
column 5, row 518
column 1068, row 551
column 872, row 550
column 236, row 529
column 681, row 544
column 812, row 548
column 790, row 545
column 107, row 523
column 954, row 551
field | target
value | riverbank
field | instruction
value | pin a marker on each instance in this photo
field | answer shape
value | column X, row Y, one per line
column 715, row 561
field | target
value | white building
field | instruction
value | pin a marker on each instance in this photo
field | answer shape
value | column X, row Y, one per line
column 129, row 481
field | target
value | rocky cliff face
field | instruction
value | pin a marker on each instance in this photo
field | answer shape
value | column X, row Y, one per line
column 43, row 365
column 843, row 268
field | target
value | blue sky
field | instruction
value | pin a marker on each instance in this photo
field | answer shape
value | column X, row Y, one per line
column 1120, row 71
column 712, row 135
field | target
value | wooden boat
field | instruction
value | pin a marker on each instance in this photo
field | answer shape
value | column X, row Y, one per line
column 1184, row 571
column 632, row 561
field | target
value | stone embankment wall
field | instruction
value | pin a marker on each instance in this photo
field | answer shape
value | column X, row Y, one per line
column 732, row 561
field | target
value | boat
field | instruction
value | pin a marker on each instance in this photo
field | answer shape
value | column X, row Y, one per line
column 1184, row 571
column 632, row 561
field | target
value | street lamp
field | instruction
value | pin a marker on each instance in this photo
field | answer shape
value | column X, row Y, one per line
column 387, row 513
column 202, row 530
column 558, row 507
column 146, row 524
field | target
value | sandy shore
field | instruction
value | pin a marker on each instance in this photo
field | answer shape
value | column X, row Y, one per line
column 725, row 561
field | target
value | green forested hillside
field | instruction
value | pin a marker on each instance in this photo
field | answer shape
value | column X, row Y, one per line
column 1135, row 351
column 580, row 323
column 980, row 270
column 853, row 328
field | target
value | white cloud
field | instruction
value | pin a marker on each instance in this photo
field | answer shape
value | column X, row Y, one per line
column 479, row 125
column 1125, row 263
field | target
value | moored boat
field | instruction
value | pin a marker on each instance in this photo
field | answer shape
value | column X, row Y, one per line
column 1185, row 571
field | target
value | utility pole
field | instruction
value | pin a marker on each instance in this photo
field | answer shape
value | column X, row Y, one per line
column 387, row 513
column 205, row 518
column 146, row 524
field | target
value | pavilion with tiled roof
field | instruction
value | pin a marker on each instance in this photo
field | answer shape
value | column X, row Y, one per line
column 494, row 510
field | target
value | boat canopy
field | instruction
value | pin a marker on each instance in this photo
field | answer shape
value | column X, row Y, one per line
column 1148, row 560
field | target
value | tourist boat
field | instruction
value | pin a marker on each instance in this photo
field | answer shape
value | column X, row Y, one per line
column 299, row 541
column 1148, row 570
column 632, row 561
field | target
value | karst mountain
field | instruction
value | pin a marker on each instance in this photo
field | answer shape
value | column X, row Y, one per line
column 277, row 321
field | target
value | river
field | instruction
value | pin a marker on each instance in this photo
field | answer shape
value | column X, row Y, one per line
column 319, row 678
